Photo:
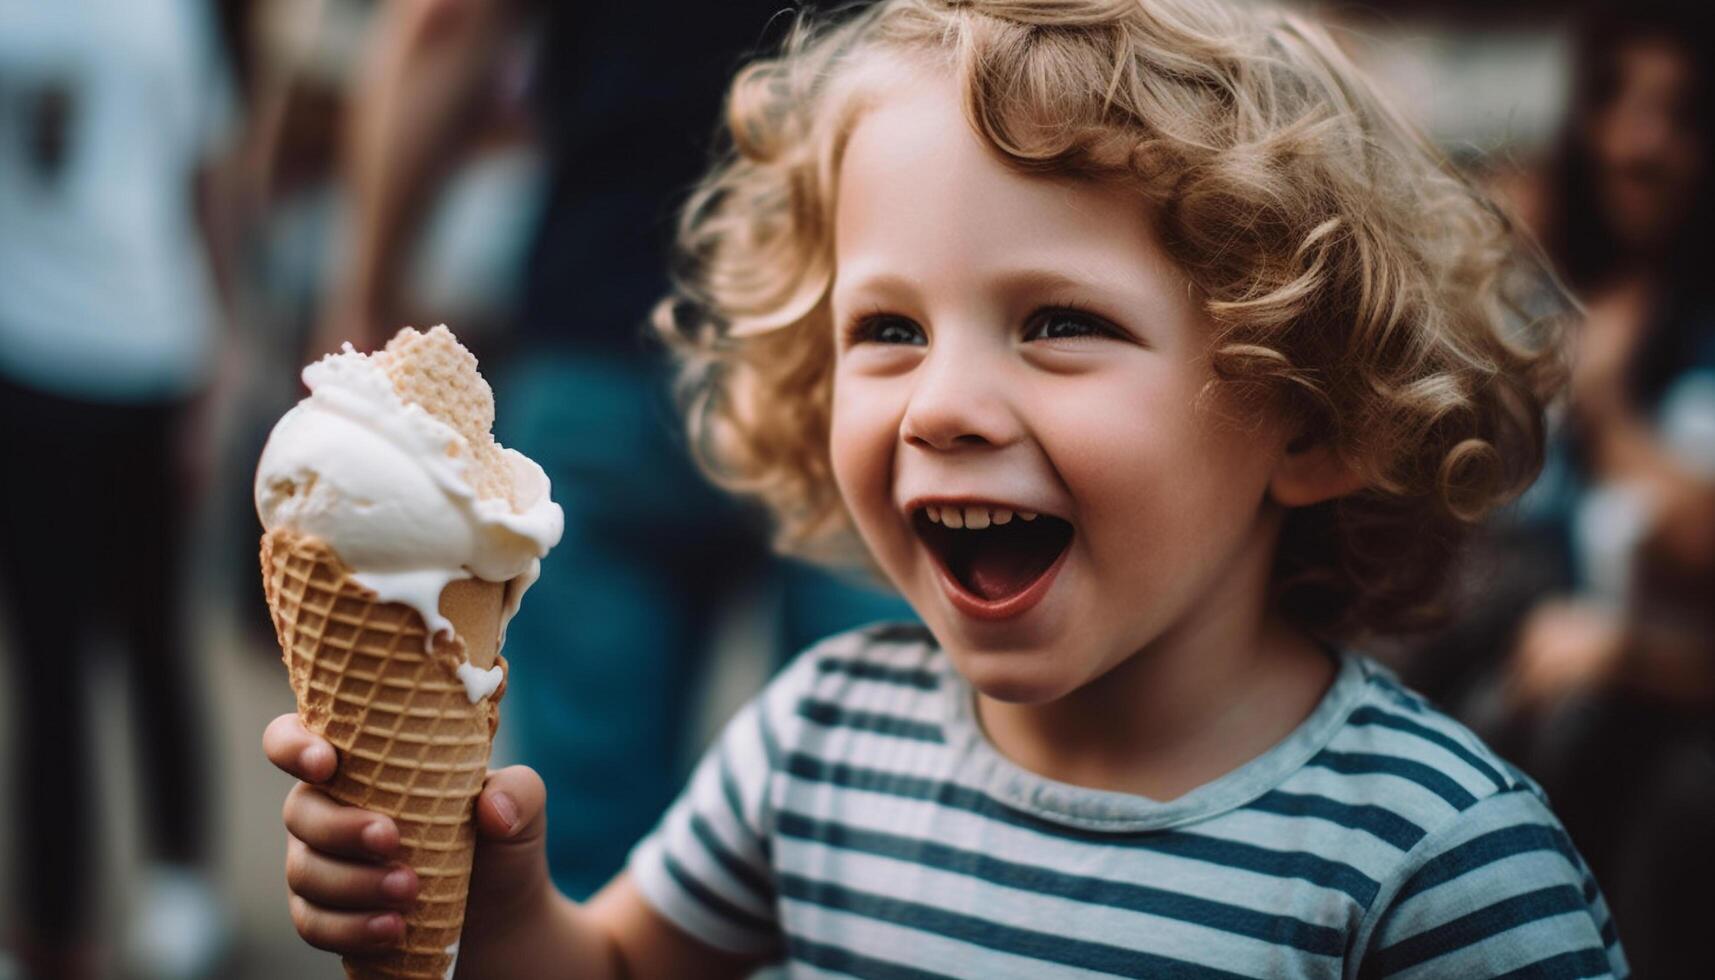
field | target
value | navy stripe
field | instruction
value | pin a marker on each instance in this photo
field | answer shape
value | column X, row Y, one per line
column 721, row 908
column 771, row 752
column 1195, row 847
column 829, row 714
column 840, row 960
column 1281, row 930
column 1356, row 763
column 901, row 634
column 746, row 875
column 1481, row 851
column 1048, row 947
column 729, row 787
column 926, row 680
column 1565, row 966
column 1398, row 693
column 1475, row 927
column 770, row 744
column 1370, row 715
column 1592, row 892
column 1522, row 780
column 1377, row 821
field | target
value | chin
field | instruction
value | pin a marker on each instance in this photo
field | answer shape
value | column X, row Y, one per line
column 1015, row 677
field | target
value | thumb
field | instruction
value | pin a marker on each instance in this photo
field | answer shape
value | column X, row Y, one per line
column 511, row 864
column 513, row 807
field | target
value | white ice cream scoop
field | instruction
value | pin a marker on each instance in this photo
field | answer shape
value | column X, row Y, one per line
column 391, row 488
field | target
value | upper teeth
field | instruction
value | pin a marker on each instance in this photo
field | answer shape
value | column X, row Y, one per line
column 975, row 518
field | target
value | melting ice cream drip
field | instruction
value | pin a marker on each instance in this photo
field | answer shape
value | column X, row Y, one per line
column 479, row 683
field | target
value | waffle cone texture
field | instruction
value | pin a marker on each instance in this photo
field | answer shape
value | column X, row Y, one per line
column 411, row 744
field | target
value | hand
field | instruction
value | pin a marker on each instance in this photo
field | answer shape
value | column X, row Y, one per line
column 346, row 889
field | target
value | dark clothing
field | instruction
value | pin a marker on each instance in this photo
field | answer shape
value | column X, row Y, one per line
column 629, row 100
column 91, row 522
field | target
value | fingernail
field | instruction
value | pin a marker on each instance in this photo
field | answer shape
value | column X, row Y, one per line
column 507, row 808
column 383, row 927
column 399, row 883
column 377, row 838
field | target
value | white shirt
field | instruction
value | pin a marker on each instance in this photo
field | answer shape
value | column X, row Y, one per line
column 104, row 288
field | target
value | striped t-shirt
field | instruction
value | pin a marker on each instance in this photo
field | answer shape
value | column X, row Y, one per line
column 852, row 820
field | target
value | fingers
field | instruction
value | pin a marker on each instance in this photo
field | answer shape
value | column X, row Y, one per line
column 347, row 933
column 513, row 805
column 344, row 906
column 294, row 749
column 330, row 883
column 341, row 831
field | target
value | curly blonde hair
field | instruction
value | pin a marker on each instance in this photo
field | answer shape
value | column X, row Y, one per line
column 1349, row 273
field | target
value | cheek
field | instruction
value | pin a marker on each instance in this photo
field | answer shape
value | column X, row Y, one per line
column 860, row 448
column 1151, row 472
column 863, row 438
column 1105, row 432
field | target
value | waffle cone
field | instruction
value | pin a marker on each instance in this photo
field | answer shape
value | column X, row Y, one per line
column 411, row 745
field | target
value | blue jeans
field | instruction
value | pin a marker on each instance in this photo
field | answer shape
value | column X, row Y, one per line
column 605, row 653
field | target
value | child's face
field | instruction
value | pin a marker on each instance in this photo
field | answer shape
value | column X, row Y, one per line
column 1025, row 345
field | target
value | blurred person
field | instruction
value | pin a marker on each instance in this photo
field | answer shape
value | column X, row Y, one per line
column 1609, row 693
column 607, row 658
column 111, row 116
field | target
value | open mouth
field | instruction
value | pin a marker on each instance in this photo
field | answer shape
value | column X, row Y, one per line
column 997, row 557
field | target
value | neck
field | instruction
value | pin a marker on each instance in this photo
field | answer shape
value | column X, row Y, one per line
column 1214, row 691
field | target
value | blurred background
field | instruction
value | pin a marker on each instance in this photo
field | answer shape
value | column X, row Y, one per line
column 198, row 196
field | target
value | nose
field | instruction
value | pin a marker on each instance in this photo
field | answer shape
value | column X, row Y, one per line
column 959, row 401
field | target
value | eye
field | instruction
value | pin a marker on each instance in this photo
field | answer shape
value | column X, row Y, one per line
column 886, row 328
column 1066, row 324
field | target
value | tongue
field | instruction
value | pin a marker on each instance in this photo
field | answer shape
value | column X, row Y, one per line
column 999, row 573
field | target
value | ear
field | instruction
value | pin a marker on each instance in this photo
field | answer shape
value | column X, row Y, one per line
column 1309, row 473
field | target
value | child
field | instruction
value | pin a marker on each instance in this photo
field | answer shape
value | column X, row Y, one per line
column 1148, row 356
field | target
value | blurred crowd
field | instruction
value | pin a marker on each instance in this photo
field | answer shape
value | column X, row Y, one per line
column 197, row 196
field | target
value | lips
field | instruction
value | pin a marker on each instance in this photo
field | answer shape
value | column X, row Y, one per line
column 1000, row 570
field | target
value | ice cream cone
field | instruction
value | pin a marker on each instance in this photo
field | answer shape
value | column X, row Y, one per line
column 400, row 537
column 411, row 743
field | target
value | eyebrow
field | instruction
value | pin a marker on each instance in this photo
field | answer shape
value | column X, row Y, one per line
column 1014, row 280
column 1048, row 280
